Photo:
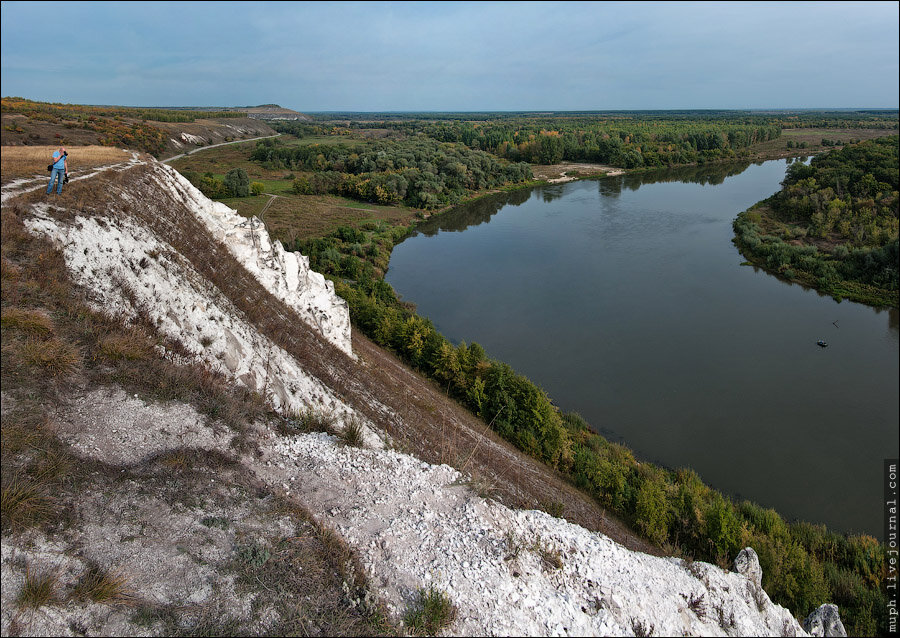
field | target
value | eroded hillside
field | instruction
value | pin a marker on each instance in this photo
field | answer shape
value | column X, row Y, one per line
column 196, row 441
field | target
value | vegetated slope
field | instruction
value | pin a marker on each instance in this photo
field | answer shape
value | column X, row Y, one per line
column 186, row 514
column 833, row 225
column 157, row 131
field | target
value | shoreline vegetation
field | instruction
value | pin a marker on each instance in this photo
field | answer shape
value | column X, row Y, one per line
column 368, row 168
column 833, row 226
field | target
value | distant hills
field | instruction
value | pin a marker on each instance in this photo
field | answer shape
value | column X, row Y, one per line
column 260, row 112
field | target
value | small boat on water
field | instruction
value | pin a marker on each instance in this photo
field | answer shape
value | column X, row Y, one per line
column 822, row 343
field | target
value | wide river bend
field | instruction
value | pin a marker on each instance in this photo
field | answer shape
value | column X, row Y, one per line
column 625, row 299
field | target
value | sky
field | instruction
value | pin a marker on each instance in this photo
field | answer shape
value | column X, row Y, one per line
column 455, row 56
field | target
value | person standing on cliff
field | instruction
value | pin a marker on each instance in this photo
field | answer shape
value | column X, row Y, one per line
column 60, row 168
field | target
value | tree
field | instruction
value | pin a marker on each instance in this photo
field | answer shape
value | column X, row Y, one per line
column 237, row 183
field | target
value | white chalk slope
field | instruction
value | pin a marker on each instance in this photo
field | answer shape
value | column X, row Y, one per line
column 414, row 525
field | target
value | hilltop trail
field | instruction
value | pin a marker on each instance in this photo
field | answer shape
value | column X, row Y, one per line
column 206, row 148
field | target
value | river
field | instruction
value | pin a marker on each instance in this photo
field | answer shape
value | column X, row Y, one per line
column 625, row 300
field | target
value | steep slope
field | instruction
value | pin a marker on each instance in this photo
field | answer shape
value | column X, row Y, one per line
column 143, row 244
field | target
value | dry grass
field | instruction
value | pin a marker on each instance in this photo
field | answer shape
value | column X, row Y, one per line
column 38, row 589
column 24, row 502
column 128, row 345
column 56, row 357
column 30, row 161
column 34, row 323
column 300, row 217
column 104, row 586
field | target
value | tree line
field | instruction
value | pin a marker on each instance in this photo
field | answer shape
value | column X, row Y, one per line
column 618, row 142
column 418, row 172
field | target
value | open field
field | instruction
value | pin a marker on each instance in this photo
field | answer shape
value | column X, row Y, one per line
column 28, row 123
column 31, row 161
column 290, row 216
column 778, row 147
column 298, row 217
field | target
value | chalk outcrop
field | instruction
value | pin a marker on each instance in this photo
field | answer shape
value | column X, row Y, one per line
column 286, row 275
column 126, row 269
column 747, row 563
column 824, row 621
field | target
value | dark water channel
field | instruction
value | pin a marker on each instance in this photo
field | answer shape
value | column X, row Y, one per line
column 625, row 299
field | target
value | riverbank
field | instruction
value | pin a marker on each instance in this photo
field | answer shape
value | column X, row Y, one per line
column 833, row 225
column 800, row 263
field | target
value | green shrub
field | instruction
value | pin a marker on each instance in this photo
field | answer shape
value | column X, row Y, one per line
column 430, row 612
column 237, row 183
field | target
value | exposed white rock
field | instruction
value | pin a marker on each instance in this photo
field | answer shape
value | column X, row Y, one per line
column 126, row 269
column 285, row 274
column 510, row 572
column 824, row 621
column 187, row 138
column 747, row 563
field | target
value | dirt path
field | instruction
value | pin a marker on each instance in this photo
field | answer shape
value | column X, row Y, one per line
column 204, row 148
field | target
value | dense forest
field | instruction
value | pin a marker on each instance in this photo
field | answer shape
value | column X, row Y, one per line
column 625, row 139
column 419, row 172
column 834, row 224
column 626, row 143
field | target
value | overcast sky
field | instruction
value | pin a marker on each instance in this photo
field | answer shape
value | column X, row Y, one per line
column 454, row 56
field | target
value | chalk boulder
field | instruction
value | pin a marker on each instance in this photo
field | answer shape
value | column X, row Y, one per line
column 824, row 621
column 747, row 563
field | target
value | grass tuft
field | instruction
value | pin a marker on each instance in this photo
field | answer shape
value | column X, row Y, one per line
column 104, row 586
column 24, row 502
column 34, row 323
column 312, row 420
column 432, row 611
column 352, row 434
column 38, row 588
column 125, row 346
column 57, row 357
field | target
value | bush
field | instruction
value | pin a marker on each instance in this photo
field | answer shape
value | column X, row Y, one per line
column 257, row 188
column 432, row 611
column 236, row 182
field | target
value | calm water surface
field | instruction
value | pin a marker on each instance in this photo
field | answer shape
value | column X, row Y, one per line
column 626, row 301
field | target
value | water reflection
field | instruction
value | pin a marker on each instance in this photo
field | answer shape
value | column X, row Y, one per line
column 708, row 174
column 473, row 213
column 480, row 211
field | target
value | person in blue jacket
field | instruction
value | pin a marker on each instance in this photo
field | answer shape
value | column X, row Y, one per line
column 60, row 170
